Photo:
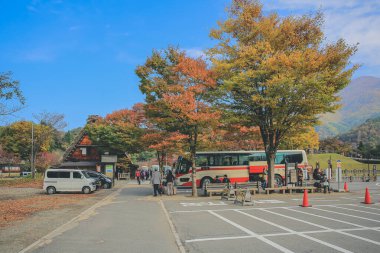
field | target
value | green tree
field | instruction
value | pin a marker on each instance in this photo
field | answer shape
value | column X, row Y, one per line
column 17, row 139
column 119, row 132
column 335, row 145
column 278, row 72
column 11, row 98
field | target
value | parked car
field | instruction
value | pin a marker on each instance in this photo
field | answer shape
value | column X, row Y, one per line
column 25, row 174
column 103, row 181
column 68, row 180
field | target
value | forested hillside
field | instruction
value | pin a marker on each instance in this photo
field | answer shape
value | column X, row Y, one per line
column 367, row 133
column 360, row 101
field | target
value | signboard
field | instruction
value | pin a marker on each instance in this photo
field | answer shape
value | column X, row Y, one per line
column 338, row 164
column 338, row 173
column 109, row 170
column 293, row 176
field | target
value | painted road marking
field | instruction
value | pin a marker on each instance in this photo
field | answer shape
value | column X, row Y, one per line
column 367, row 207
column 172, row 228
column 350, row 215
column 190, row 204
column 327, row 228
column 251, row 233
column 252, row 208
column 268, row 201
column 327, row 218
column 345, row 208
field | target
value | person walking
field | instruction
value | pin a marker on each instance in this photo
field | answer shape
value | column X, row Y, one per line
column 156, row 181
column 138, row 176
column 169, row 182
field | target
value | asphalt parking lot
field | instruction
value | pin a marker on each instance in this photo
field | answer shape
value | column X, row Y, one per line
column 337, row 222
column 130, row 219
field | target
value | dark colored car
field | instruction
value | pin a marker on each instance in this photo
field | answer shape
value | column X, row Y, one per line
column 103, row 181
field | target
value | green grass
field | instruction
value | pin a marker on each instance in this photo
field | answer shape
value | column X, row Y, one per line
column 346, row 162
column 9, row 181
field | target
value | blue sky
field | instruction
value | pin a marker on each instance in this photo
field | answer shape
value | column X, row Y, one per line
column 78, row 57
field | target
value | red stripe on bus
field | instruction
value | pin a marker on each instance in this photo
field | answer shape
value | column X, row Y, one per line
column 233, row 180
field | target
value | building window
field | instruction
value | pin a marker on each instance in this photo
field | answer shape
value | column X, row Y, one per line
column 84, row 151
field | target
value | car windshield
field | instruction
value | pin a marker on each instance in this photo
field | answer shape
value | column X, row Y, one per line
column 85, row 174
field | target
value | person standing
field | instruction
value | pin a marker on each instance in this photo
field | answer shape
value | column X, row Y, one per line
column 156, row 181
column 138, row 176
column 169, row 182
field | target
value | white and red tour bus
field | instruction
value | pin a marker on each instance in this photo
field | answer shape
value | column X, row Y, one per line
column 239, row 166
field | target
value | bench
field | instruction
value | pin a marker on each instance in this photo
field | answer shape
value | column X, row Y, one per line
column 308, row 188
column 282, row 189
column 126, row 176
column 228, row 192
column 243, row 197
column 252, row 186
column 211, row 188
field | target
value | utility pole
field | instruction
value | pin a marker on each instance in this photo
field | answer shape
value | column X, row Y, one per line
column 32, row 157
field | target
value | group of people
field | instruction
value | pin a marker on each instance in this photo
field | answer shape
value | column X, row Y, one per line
column 143, row 175
column 224, row 180
column 160, row 186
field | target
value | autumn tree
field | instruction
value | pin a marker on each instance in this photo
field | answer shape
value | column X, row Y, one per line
column 55, row 123
column 119, row 132
column 17, row 139
column 8, row 158
column 46, row 159
column 333, row 144
column 279, row 72
column 232, row 137
column 176, row 88
column 11, row 98
column 164, row 143
column 307, row 139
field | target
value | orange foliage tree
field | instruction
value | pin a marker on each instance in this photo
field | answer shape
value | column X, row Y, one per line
column 164, row 143
column 233, row 137
column 176, row 89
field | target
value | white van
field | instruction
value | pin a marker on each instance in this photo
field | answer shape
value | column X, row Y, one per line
column 68, row 180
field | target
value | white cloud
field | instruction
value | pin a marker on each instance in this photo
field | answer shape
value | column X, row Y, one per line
column 356, row 21
column 38, row 55
column 194, row 52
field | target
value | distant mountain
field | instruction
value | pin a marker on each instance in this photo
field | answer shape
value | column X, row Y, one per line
column 368, row 133
column 360, row 101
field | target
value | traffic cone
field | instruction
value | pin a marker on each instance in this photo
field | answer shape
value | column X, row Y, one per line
column 367, row 197
column 305, row 199
column 345, row 187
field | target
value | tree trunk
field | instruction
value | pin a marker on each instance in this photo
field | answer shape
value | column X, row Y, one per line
column 270, row 160
column 193, row 175
column 160, row 160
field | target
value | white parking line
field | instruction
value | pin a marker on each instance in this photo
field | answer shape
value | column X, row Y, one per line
column 345, row 208
column 252, row 208
column 327, row 218
column 298, row 233
column 366, row 207
column 251, row 233
column 350, row 215
column 332, row 230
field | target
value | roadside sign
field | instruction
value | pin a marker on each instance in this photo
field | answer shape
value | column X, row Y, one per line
column 338, row 164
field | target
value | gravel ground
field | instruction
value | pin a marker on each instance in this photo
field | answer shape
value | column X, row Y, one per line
column 20, row 234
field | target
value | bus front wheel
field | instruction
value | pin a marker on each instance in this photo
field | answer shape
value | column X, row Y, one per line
column 205, row 180
column 278, row 180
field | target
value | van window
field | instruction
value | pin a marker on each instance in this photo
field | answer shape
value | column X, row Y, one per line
column 64, row 174
column 77, row 175
column 52, row 174
column 58, row 174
